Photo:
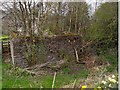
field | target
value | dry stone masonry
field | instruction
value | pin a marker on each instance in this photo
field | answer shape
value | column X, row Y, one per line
column 48, row 49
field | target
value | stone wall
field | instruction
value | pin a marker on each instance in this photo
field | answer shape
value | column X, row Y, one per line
column 48, row 49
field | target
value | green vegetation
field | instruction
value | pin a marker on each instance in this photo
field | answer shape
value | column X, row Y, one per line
column 0, row 72
column 66, row 70
column 36, row 53
column 113, row 60
column 98, row 34
column 16, row 78
column 104, row 26
column 4, row 37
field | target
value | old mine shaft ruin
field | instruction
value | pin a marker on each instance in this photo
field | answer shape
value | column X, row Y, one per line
column 47, row 49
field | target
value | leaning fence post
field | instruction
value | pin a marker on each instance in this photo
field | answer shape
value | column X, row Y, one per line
column 12, row 51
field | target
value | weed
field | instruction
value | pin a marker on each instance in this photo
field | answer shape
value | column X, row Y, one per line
column 112, row 59
column 66, row 70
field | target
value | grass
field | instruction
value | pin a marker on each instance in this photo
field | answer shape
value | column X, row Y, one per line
column 113, row 60
column 11, row 79
column 66, row 70
column 0, row 73
column 64, row 79
column 16, row 79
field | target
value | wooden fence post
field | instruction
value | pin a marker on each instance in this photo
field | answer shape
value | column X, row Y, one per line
column 12, row 51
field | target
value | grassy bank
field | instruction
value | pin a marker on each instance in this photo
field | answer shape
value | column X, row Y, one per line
column 16, row 78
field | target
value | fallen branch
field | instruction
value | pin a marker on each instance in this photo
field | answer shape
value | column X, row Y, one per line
column 37, row 66
column 30, row 72
column 86, row 44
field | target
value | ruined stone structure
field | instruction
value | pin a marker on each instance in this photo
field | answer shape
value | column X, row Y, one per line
column 47, row 49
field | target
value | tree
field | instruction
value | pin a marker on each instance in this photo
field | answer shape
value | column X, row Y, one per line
column 104, row 26
column 77, row 18
column 35, row 18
